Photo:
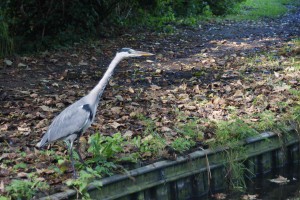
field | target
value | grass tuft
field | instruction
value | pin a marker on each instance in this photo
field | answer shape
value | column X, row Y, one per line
column 256, row 9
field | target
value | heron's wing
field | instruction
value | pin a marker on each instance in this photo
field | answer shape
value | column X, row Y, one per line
column 74, row 119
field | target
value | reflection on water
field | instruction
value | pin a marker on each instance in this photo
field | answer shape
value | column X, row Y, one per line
column 267, row 190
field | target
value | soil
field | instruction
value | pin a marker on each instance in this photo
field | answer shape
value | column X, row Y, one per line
column 199, row 61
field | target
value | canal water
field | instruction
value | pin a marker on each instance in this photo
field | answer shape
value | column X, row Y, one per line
column 261, row 188
column 268, row 190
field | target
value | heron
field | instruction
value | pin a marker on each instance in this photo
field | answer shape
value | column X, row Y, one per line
column 73, row 121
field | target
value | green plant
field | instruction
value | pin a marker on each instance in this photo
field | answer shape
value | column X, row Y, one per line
column 85, row 179
column 182, row 144
column 104, row 147
column 6, row 42
column 235, row 168
column 20, row 166
column 267, row 121
column 230, row 132
column 151, row 145
column 223, row 7
column 25, row 189
column 190, row 129
column 149, row 124
column 255, row 9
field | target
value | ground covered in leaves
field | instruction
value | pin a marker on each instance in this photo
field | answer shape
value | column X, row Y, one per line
column 162, row 107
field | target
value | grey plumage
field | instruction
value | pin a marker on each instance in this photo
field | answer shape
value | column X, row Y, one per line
column 72, row 122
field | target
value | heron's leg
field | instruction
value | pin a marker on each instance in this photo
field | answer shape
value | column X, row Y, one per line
column 72, row 160
column 77, row 151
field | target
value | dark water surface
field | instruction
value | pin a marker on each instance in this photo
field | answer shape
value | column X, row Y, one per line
column 269, row 191
column 265, row 189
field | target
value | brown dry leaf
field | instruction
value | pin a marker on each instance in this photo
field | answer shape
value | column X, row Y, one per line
column 2, row 188
column 83, row 63
column 147, row 138
column 155, row 87
column 188, row 107
column 128, row 134
column 135, row 104
column 196, row 89
column 24, row 129
column 238, row 93
column 119, row 98
column 22, row 175
column 40, row 179
column 219, row 196
column 4, row 127
column 281, row 88
column 22, row 65
column 227, row 88
column 8, row 62
column 165, row 129
column 48, row 109
column 131, row 90
column 249, row 196
column 4, row 172
column 147, row 154
column 4, row 155
column 280, row 180
column 115, row 125
column 116, row 110
column 34, row 95
column 45, row 171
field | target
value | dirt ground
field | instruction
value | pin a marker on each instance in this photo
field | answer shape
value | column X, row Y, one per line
column 206, row 63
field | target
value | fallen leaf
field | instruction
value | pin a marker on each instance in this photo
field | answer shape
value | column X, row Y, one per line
column 42, row 123
column 45, row 171
column 165, row 129
column 53, row 60
column 4, row 172
column 115, row 125
column 119, row 97
column 128, row 134
column 24, row 129
column 280, row 180
column 238, row 93
column 188, row 107
column 21, row 65
column 47, row 109
column 131, row 90
column 116, row 110
column 147, row 138
column 249, row 197
column 2, row 189
column 281, row 88
column 219, row 196
column 4, row 127
column 155, row 87
column 8, row 62
column 83, row 63
column 40, row 179
column 22, row 175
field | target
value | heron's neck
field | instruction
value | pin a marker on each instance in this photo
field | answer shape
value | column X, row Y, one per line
column 97, row 91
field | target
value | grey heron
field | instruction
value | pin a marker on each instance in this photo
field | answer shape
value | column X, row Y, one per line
column 72, row 122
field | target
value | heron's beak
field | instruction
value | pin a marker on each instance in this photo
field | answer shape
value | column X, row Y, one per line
column 142, row 53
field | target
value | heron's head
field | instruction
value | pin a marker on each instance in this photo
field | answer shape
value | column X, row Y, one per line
column 128, row 53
